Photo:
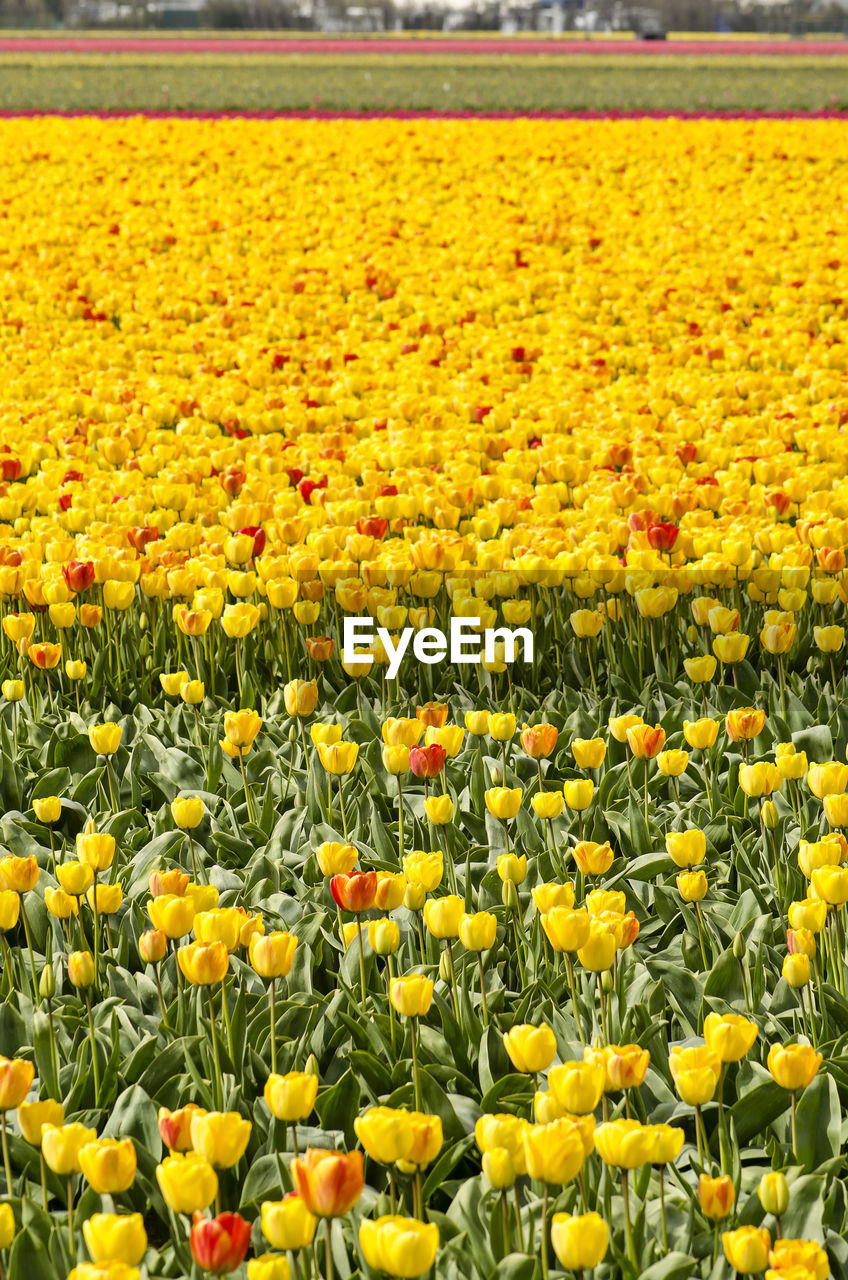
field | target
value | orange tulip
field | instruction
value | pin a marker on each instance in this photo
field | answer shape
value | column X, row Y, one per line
column 329, row 1182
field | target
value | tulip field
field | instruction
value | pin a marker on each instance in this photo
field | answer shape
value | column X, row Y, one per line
column 177, row 79
column 313, row 967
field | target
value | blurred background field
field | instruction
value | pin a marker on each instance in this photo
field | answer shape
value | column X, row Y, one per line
column 429, row 83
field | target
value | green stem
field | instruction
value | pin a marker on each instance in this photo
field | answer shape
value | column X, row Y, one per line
column 274, row 1026
column 604, row 1030
column 545, row 1194
column 416, row 1078
column 193, row 858
column 701, row 935
column 328, row 1260
column 400, row 821
column 570, row 966
column 483, row 989
column 111, row 787
column 71, row 1240
column 217, row 1083
column 97, row 933
column 628, row 1227
column 362, row 988
column 518, row 1218
column 6, row 1162
column 248, row 794
column 35, row 991
column 342, row 807
column 161, row 997
column 95, row 1065
column 54, row 1059
column 453, row 993
column 505, row 1214
column 795, row 1126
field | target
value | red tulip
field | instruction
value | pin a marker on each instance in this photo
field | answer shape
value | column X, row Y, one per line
column 219, row 1244
column 662, row 536
column 308, row 487
column 10, row 468
column 373, row 526
column 259, row 538
column 355, row 892
column 427, row 762
column 79, row 574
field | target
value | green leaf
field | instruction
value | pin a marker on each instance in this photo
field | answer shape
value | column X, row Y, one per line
column 517, row 1266
column 263, row 1182
column 446, row 1163
column 818, row 1122
column 672, row 1266
column 338, row 1106
column 28, row 1257
column 759, row 1108
column 817, row 741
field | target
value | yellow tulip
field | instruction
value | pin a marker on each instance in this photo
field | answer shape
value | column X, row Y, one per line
column 747, row 1249
column 220, row 1137
column 188, row 1182
column 503, row 802
column 624, row 1144
column 793, row 1066
column 580, row 1242
column 397, row 1246
column 411, row 995
column 108, row 1165
column 291, row 1097
column 530, row 1049
column 105, row 738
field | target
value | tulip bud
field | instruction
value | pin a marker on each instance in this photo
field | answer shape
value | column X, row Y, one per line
column 509, row 895
column 739, row 947
column 444, row 967
column 512, row 868
column 414, row 897
column 498, row 1168
column 773, row 1192
column 606, row 981
column 152, row 946
column 496, row 776
column 47, row 983
column 81, row 968
column 768, row 815
column 311, row 1068
column 796, row 970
